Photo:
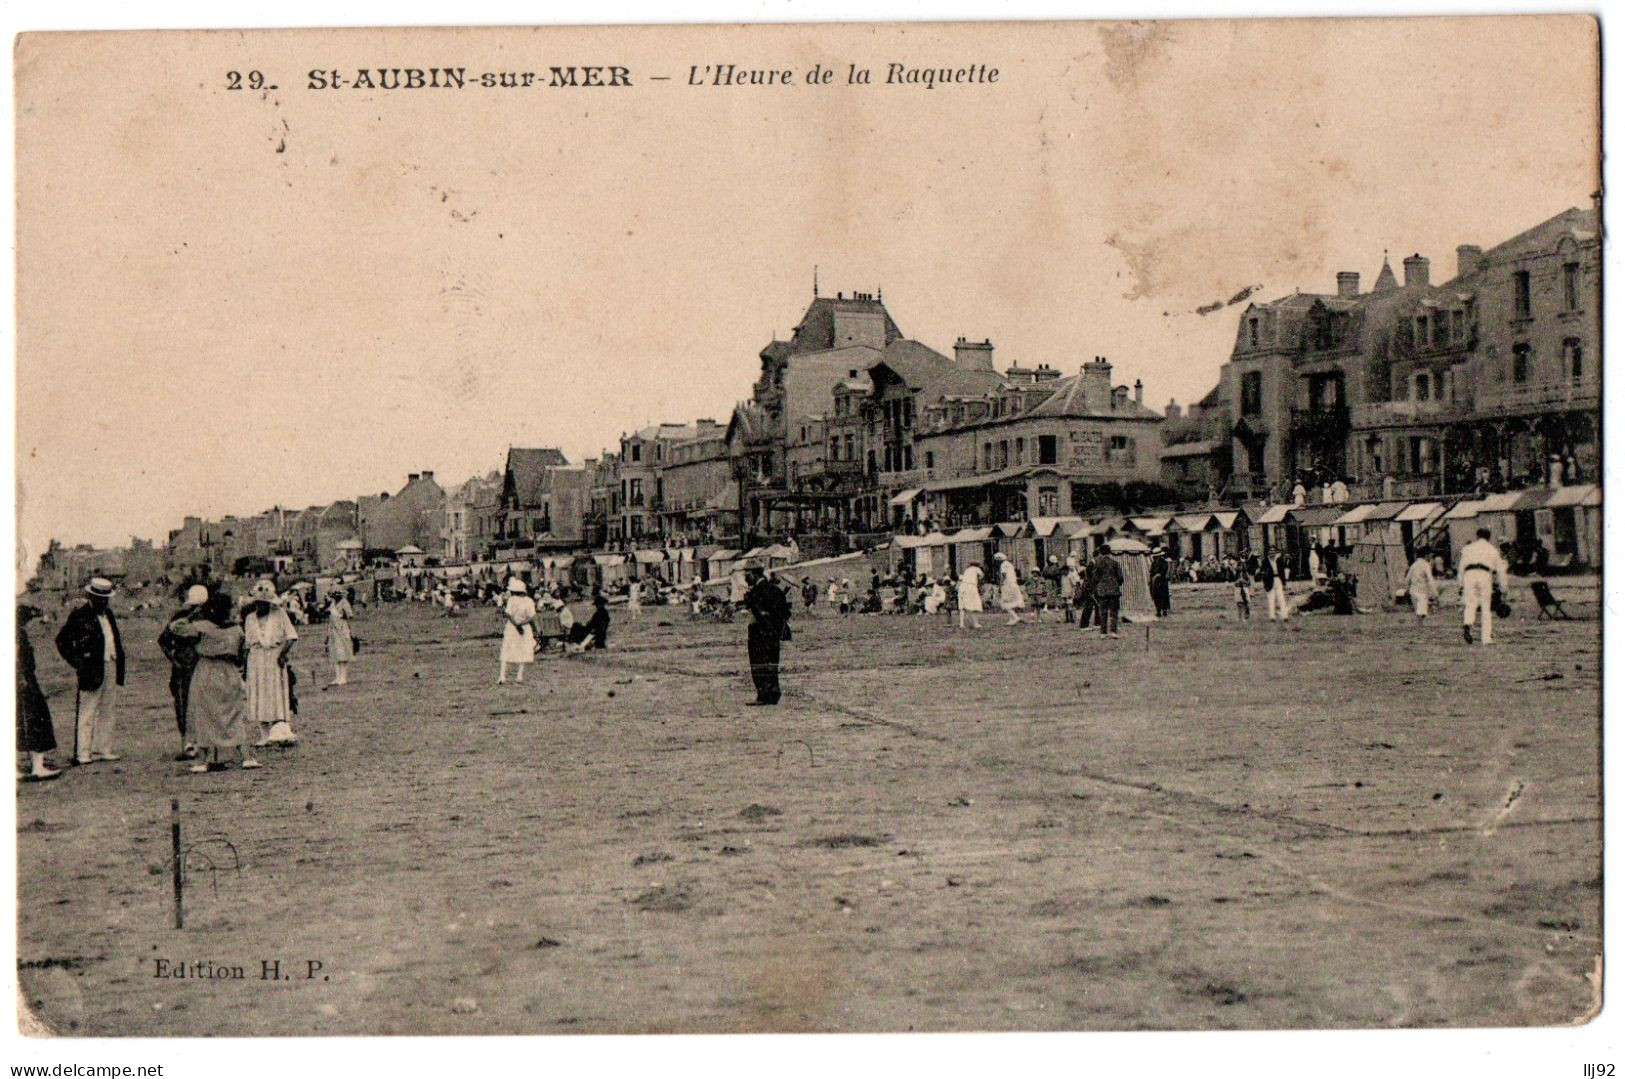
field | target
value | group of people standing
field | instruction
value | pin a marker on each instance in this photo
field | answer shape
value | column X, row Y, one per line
column 230, row 679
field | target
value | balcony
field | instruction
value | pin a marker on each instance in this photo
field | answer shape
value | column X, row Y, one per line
column 1403, row 413
column 1511, row 397
column 1328, row 421
column 911, row 477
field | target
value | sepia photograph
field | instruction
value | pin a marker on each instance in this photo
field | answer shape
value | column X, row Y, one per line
column 893, row 527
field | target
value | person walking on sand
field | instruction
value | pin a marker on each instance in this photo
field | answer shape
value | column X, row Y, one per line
column 182, row 656
column 1420, row 584
column 769, row 628
column 1482, row 567
column 1011, row 598
column 1160, row 569
column 36, row 736
column 970, row 596
column 89, row 641
column 268, row 636
column 634, row 600
column 216, row 711
column 518, row 633
column 340, row 643
column 1244, row 590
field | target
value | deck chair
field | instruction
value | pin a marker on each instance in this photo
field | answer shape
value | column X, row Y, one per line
column 1550, row 606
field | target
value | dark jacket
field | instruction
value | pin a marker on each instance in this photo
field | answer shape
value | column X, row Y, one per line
column 1105, row 576
column 767, row 605
column 80, row 643
column 180, row 651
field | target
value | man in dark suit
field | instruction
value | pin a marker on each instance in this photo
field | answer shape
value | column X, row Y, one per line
column 769, row 626
column 89, row 641
column 1106, row 579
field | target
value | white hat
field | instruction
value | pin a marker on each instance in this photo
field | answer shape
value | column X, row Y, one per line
column 999, row 557
column 516, row 586
column 99, row 586
column 196, row 596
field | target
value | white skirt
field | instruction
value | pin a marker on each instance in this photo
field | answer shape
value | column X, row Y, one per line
column 970, row 599
column 518, row 645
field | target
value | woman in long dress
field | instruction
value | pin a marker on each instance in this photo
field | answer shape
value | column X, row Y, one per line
column 1011, row 598
column 634, row 600
column 268, row 635
column 518, row 634
column 216, row 716
column 340, row 644
column 970, row 596
column 35, row 734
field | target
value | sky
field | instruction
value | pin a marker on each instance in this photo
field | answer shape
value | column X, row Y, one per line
column 230, row 300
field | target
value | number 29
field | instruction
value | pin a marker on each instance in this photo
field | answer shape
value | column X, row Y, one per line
column 235, row 80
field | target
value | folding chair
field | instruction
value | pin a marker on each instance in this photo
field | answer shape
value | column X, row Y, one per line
column 1550, row 606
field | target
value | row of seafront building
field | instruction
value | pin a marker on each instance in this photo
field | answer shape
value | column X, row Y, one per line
column 1488, row 380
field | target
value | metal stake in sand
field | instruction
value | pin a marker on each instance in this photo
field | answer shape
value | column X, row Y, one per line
column 1148, row 636
column 175, row 844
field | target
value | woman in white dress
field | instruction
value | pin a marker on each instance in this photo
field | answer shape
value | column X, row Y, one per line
column 970, row 596
column 518, row 634
column 268, row 635
column 634, row 600
column 1011, row 598
column 340, row 645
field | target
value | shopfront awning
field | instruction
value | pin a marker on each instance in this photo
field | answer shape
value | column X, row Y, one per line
column 904, row 498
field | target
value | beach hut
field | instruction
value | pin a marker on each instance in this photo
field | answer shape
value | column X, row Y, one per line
column 1588, row 527
column 1416, row 517
column 971, row 545
column 1187, row 536
column 1271, row 525
column 1551, row 518
column 1230, row 532
column 1497, row 514
column 1376, row 560
column 1011, row 539
column 1051, row 536
column 719, row 563
column 1078, row 540
column 613, row 569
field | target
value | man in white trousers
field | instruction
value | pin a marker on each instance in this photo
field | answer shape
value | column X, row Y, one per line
column 1273, row 577
column 1480, row 567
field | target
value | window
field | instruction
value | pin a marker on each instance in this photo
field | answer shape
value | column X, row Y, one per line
column 1573, row 359
column 987, row 457
column 1004, row 453
column 1520, row 294
column 1458, row 326
column 835, row 449
column 1252, row 393
column 1571, row 286
column 637, row 452
column 1520, row 363
column 1046, row 450
column 1049, row 501
column 1021, row 450
column 1252, row 333
column 851, row 449
column 1441, row 329
column 930, row 460
column 908, row 457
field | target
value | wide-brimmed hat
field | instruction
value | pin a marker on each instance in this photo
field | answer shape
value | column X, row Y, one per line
column 197, row 596
column 517, row 587
column 999, row 557
column 99, row 586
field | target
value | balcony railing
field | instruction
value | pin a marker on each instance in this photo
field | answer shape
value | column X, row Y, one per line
column 1390, row 413
column 1511, row 397
column 911, row 477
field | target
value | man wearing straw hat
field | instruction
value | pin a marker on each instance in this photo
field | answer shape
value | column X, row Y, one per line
column 89, row 641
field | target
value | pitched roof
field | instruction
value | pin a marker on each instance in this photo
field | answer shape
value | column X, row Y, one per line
column 816, row 331
column 528, row 467
column 1079, row 396
column 932, row 375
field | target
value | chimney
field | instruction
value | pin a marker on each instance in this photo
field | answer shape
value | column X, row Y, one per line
column 1468, row 259
column 1097, row 384
column 411, row 477
column 1173, row 411
column 1416, row 270
column 1139, row 392
column 428, row 475
column 974, row 355
column 1348, row 284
